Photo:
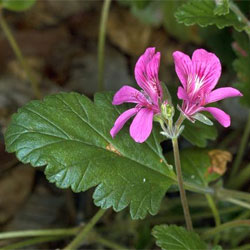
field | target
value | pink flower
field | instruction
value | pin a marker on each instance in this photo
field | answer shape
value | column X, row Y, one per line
column 198, row 77
column 146, row 75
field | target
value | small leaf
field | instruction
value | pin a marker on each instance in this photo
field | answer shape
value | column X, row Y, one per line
column 202, row 118
column 198, row 133
column 177, row 238
column 222, row 7
column 70, row 135
column 202, row 12
column 17, row 5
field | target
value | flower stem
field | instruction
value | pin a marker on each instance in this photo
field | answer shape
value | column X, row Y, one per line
column 216, row 215
column 241, row 151
column 181, row 186
column 101, row 42
column 42, row 232
column 222, row 227
column 20, row 56
column 82, row 234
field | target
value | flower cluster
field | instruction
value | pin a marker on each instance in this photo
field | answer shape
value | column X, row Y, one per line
column 198, row 76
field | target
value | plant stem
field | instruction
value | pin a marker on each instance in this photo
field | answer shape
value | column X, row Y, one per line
column 31, row 242
column 241, row 151
column 225, row 226
column 101, row 43
column 181, row 186
column 42, row 232
column 19, row 56
column 82, row 234
column 215, row 214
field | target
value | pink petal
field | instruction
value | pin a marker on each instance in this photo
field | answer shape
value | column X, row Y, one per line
column 182, row 94
column 146, row 73
column 141, row 126
column 222, row 117
column 121, row 120
column 222, row 93
column 207, row 67
column 140, row 67
column 127, row 94
column 183, row 66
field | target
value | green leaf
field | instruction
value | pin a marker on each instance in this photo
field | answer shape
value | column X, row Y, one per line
column 177, row 238
column 222, row 7
column 202, row 12
column 17, row 5
column 242, row 65
column 198, row 133
column 70, row 135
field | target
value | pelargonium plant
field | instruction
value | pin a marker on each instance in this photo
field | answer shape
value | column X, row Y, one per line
column 83, row 144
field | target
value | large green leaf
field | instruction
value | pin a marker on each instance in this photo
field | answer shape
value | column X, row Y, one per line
column 17, row 5
column 198, row 133
column 242, row 65
column 204, row 13
column 177, row 238
column 69, row 134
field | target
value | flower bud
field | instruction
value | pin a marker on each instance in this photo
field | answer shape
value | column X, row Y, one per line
column 167, row 110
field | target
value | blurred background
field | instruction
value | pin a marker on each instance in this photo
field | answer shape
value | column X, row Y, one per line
column 59, row 40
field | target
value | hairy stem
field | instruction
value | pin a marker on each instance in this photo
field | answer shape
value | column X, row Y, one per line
column 222, row 227
column 181, row 186
column 101, row 42
column 241, row 151
column 77, row 241
column 19, row 56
